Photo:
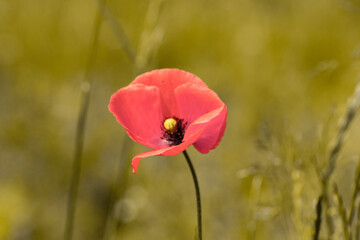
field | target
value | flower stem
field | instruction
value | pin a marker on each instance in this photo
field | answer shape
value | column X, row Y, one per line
column 197, row 193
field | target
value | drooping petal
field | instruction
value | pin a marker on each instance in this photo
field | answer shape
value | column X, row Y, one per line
column 202, row 108
column 167, row 80
column 213, row 124
column 168, row 151
column 137, row 107
column 213, row 133
column 194, row 101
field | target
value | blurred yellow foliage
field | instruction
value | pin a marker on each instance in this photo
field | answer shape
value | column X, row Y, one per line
column 284, row 68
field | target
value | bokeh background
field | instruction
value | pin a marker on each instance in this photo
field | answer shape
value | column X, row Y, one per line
column 285, row 69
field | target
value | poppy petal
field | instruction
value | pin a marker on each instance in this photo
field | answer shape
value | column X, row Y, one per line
column 168, row 151
column 167, row 80
column 137, row 107
column 213, row 124
column 202, row 108
column 213, row 132
column 194, row 101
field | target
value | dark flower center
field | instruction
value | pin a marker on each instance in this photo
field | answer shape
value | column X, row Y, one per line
column 173, row 130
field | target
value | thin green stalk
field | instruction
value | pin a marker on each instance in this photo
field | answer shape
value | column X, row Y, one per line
column 80, row 135
column 117, row 190
column 117, row 30
column 342, row 212
column 352, row 109
column 140, row 59
column 76, row 168
column 327, row 203
column 255, row 193
column 197, row 193
column 318, row 218
column 357, row 229
column 355, row 194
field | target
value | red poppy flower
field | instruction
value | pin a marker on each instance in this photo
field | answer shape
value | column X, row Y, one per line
column 169, row 110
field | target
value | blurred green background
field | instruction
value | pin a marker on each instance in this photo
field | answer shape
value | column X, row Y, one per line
column 284, row 68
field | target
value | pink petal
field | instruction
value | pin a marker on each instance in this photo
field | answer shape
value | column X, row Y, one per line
column 137, row 107
column 194, row 101
column 167, row 80
column 213, row 132
column 167, row 151
column 202, row 108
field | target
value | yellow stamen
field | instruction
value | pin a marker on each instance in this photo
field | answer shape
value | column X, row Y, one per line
column 170, row 124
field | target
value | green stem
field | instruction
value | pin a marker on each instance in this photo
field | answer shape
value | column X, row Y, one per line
column 353, row 107
column 76, row 168
column 354, row 196
column 80, row 134
column 318, row 218
column 197, row 193
column 342, row 212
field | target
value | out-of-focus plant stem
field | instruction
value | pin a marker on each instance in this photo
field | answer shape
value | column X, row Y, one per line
column 353, row 106
column 112, row 224
column 118, row 30
column 342, row 212
column 255, row 193
column 318, row 218
column 76, row 168
column 354, row 198
column 357, row 228
column 80, row 133
column 197, row 193
column 149, row 41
